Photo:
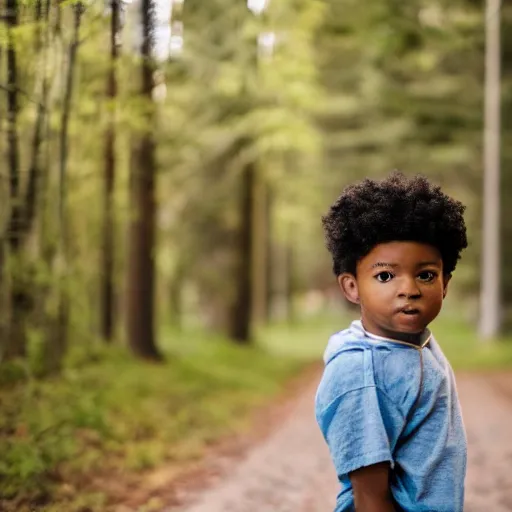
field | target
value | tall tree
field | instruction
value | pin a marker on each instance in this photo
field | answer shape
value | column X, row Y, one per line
column 24, row 205
column 107, row 278
column 506, row 175
column 243, row 301
column 60, row 341
column 140, row 310
column 490, row 303
column 15, row 342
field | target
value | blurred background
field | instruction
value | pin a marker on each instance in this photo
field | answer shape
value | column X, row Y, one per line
column 165, row 165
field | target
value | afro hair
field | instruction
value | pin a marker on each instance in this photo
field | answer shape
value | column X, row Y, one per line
column 394, row 209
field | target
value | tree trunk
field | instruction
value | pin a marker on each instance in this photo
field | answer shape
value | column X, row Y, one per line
column 59, row 343
column 23, row 206
column 52, row 351
column 12, row 107
column 4, row 303
column 107, row 302
column 290, row 282
column 260, row 249
column 22, row 220
column 506, row 178
column 15, row 345
column 490, row 298
column 242, row 308
column 141, row 264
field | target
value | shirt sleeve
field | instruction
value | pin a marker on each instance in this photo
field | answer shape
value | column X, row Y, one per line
column 357, row 428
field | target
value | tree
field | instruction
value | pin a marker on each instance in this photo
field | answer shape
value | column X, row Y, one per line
column 506, row 175
column 243, row 117
column 23, row 199
column 490, row 300
column 59, row 344
column 26, row 187
column 107, row 303
column 240, row 328
column 15, row 344
column 142, row 244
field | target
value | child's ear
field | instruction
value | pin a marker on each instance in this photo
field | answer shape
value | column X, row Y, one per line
column 446, row 280
column 348, row 285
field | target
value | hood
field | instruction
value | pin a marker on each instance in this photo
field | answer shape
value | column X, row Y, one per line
column 354, row 333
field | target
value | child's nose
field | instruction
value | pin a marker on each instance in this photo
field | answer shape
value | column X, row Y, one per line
column 409, row 289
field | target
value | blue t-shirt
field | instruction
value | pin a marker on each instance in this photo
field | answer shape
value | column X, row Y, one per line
column 371, row 409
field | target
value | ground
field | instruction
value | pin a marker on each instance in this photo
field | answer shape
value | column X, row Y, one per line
column 289, row 470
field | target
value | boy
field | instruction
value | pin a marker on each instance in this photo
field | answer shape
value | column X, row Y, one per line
column 387, row 404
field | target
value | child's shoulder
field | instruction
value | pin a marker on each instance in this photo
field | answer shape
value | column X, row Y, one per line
column 354, row 362
column 344, row 353
column 347, row 365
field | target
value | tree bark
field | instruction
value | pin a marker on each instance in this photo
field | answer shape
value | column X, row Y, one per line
column 290, row 281
column 141, row 264
column 107, row 302
column 241, row 331
column 12, row 107
column 260, row 250
column 4, row 304
column 490, row 297
column 15, row 345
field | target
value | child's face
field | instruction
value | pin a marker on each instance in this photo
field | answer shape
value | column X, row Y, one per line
column 400, row 288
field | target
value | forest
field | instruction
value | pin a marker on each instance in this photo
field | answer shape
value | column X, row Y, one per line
column 165, row 167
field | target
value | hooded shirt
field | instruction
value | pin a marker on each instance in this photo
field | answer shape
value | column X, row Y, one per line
column 385, row 400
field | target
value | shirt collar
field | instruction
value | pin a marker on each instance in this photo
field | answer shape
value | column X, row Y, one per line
column 426, row 336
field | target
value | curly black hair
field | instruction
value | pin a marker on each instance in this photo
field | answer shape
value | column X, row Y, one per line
column 396, row 208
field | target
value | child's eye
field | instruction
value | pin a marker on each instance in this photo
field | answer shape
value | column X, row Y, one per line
column 427, row 276
column 384, row 277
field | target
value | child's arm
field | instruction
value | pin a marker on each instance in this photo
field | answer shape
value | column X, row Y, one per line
column 370, row 485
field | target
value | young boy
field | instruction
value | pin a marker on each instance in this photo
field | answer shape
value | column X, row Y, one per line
column 387, row 403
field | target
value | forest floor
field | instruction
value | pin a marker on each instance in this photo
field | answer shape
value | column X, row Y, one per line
column 289, row 469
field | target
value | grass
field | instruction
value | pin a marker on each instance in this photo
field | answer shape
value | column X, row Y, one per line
column 466, row 351
column 120, row 416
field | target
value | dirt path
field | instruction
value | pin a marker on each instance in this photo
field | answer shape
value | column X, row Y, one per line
column 290, row 471
column 487, row 408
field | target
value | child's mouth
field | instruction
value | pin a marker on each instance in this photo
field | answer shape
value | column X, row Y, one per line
column 410, row 312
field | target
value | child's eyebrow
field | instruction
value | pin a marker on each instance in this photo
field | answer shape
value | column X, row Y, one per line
column 383, row 264
column 394, row 265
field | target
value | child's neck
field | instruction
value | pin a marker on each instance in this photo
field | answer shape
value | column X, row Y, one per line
column 417, row 339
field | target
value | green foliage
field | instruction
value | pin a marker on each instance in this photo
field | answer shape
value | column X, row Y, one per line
column 405, row 91
column 465, row 350
column 119, row 415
